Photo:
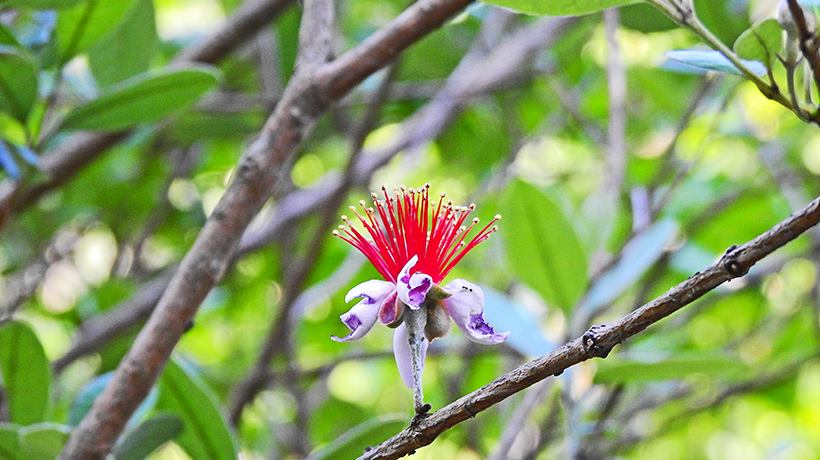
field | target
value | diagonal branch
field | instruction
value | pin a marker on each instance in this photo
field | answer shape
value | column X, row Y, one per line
column 62, row 163
column 307, row 97
column 599, row 340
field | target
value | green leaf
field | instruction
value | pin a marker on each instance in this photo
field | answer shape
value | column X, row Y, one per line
column 85, row 399
column 645, row 18
column 760, row 42
column 87, row 23
column 10, row 443
column 6, row 38
column 206, row 435
column 559, row 7
column 638, row 256
column 352, row 443
column 544, row 252
column 39, row 4
column 146, row 98
column 43, row 441
column 712, row 60
column 148, row 436
column 128, row 50
column 18, row 83
column 673, row 366
column 25, row 373
column 506, row 315
column 724, row 18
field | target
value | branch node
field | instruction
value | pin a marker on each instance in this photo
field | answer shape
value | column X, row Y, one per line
column 733, row 267
column 590, row 342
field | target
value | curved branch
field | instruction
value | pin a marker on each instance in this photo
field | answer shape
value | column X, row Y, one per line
column 599, row 340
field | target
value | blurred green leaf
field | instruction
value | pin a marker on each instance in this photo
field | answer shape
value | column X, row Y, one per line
column 18, row 83
column 206, row 435
column 353, row 443
column 39, row 4
column 43, row 441
column 677, row 365
column 25, row 373
column 760, row 42
column 146, row 98
column 504, row 315
column 83, row 25
column 6, row 38
column 128, row 49
column 148, row 436
column 85, row 399
column 637, row 257
column 10, row 443
column 559, row 7
column 543, row 249
column 712, row 60
column 727, row 19
column 645, row 18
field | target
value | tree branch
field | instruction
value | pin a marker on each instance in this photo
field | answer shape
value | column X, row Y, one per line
column 307, row 97
column 598, row 341
column 61, row 164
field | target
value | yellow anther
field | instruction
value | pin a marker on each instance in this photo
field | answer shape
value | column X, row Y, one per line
column 335, row 233
column 374, row 196
column 352, row 208
column 362, row 203
column 344, row 218
column 472, row 206
column 497, row 217
column 475, row 220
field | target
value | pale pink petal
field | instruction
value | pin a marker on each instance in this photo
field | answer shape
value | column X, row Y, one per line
column 362, row 316
column 466, row 307
column 412, row 289
column 401, row 350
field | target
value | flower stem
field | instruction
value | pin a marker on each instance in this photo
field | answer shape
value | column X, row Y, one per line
column 415, row 321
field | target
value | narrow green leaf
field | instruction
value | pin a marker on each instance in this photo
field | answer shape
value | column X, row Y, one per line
column 10, row 443
column 146, row 98
column 559, row 7
column 43, row 441
column 705, row 60
column 544, row 252
column 85, row 399
column 352, row 443
column 18, row 83
column 639, row 255
column 206, row 435
column 148, row 436
column 25, row 373
column 128, row 49
column 760, row 42
column 86, row 23
column 668, row 367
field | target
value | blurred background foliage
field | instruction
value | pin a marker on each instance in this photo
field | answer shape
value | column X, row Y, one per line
column 708, row 163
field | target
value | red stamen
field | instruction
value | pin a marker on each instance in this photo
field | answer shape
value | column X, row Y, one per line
column 406, row 225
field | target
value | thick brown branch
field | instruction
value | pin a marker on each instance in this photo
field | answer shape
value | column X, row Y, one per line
column 305, row 99
column 598, row 341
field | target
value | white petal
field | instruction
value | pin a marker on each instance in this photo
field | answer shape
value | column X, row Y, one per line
column 466, row 307
column 412, row 289
column 361, row 318
column 373, row 290
column 401, row 351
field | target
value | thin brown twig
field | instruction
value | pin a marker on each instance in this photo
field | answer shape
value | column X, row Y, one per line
column 599, row 341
